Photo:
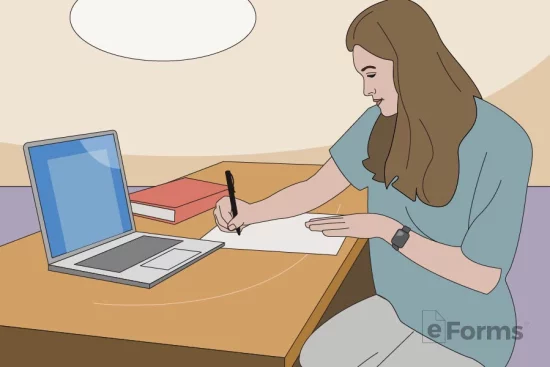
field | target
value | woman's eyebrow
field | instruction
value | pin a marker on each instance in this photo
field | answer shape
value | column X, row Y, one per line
column 368, row 67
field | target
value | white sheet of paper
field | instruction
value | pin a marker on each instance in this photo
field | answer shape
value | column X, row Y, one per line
column 282, row 235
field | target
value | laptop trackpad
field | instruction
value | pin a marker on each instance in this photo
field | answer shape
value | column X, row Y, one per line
column 129, row 254
column 170, row 259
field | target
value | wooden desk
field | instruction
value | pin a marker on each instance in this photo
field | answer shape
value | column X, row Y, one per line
column 233, row 308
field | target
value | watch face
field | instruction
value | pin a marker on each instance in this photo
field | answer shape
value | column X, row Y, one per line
column 400, row 238
column 401, row 234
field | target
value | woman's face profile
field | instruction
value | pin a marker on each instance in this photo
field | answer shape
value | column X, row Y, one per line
column 377, row 76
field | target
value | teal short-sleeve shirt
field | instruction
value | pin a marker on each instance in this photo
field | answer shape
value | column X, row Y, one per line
column 351, row 149
column 484, row 218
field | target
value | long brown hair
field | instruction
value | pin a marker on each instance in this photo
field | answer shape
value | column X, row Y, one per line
column 436, row 105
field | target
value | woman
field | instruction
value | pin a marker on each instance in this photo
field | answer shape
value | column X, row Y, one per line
column 447, row 175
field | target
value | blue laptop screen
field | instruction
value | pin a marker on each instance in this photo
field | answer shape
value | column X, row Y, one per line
column 81, row 191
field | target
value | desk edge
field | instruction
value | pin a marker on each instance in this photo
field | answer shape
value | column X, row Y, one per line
column 324, row 302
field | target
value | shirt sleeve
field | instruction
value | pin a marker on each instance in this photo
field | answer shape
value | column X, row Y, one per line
column 497, row 208
column 351, row 149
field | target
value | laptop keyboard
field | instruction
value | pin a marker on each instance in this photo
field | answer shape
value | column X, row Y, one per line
column 131, row 253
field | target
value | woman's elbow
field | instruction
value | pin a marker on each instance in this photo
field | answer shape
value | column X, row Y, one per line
column 489, row 280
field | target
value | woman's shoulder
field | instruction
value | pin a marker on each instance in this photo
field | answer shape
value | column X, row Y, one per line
column 372, row 111
column 370, row 115
column 364, row 124
column 497, row 132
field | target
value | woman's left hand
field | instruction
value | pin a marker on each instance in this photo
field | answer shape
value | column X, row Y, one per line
column 355, row 225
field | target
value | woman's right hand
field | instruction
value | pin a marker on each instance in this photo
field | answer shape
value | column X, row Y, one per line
column 224, row 216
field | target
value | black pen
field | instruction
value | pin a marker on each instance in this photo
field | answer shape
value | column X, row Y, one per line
column 231, row 189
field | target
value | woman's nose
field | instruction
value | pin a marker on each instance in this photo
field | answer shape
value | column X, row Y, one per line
column 369, row 91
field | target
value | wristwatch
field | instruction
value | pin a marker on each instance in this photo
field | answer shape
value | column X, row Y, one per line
column 400, row 238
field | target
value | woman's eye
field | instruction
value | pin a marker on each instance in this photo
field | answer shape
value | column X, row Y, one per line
column 371, row 75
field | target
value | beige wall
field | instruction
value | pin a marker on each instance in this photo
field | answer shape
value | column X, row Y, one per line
column 284, row 94
column 527, row 101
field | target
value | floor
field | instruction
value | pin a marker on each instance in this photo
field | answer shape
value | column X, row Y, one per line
column 527, row 278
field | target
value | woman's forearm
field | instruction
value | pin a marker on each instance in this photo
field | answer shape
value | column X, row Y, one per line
column 447, row 261
column 288, row 202
column 302, row 197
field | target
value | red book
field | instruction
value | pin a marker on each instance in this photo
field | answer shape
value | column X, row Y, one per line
column 176, row 201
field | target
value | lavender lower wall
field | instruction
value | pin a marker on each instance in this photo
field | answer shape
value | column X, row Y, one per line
column 529, row 281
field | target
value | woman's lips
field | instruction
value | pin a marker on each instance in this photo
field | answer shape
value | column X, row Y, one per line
column 377, row 101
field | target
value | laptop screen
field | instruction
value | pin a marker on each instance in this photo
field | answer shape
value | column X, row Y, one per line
column 81, row 192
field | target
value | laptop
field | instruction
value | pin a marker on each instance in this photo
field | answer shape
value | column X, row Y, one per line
column 84, row 209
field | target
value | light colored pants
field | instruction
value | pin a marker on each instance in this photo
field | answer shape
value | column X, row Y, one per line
column 369, row 333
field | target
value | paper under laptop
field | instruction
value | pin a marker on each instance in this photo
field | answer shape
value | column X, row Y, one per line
column 282, row 235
